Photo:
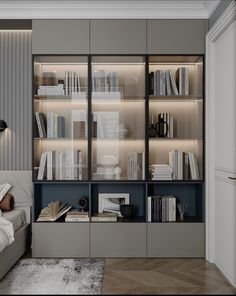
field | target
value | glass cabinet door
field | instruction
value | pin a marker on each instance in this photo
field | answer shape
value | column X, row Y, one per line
column 118, row 110
column 60, row 118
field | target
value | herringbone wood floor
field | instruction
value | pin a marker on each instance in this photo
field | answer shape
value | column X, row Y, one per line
column 163, row 276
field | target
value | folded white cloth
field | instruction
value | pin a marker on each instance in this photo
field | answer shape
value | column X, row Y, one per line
column 4, row 188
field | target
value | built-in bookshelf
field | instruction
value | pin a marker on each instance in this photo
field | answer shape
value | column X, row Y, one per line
column 120, row 125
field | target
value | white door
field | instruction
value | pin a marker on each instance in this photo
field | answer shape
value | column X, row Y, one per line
column 225, row 152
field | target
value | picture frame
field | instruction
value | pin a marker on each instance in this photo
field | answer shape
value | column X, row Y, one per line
column 110, row 202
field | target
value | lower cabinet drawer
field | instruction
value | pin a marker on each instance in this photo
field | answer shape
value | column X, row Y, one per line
column 118, row 239
column 176, row 240
column 60, row 240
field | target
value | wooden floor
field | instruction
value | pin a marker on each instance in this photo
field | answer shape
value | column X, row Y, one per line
column 163, row 276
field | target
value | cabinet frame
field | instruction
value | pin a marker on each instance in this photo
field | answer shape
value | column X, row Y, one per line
column 147, row 182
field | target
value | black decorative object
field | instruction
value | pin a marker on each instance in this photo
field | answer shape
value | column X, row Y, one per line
column 161, row 127
column 3, row 125
column 127, row 211
column 82, row 203
column 152, row 132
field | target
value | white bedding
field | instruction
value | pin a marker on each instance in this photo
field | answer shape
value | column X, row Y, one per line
column 6, row 232
column 17, row 217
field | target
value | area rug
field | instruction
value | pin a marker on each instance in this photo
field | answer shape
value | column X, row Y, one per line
column 54, row 276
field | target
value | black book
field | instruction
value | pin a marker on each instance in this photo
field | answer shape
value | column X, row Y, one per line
column 151, row 83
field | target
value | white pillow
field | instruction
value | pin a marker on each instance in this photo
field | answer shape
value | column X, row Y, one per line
column 4, row 188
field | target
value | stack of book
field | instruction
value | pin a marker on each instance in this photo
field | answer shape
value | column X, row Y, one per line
column 57, row 165
column 104, row 217
column 136, row 166
column 77, row 216
column 164, row 82
column 161, row 208
column 53, row 90
column 161, row 172
column 184, row 165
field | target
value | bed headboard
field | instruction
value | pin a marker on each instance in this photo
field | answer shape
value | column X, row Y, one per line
column 21, row 182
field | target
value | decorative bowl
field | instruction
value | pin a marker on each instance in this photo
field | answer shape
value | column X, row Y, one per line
column 127, row 211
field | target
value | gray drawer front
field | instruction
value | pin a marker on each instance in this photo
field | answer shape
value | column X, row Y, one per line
column 60, row 37
column 118, row 240
column 118, row 36
column 175, row 240
column 60, row 240
column 176, row 36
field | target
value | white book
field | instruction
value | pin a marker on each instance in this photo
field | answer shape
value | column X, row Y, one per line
column 66, row 83
column 192, row 167
column 42, row 166
column 61, row 166
column 78, row 83
column 68, row 165
column 51, row 159
column 80, row 164
column 143, row 166
column 173, row 83
column 57, row 169
column 149, row 209
column 39, row 125
column 55, row 125
column 171, row 126
column 196, row 166
column 77, row 219
column 168, row 87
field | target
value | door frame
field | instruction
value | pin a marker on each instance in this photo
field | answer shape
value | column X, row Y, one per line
column 222, row 24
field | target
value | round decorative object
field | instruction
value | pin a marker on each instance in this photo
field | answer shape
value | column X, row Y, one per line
column 127, row 211
column 82, row 203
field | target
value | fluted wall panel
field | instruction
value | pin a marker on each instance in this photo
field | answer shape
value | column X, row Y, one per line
column 16, row 99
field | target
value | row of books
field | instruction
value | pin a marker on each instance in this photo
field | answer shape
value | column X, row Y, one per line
column 72, row 83
column 57, row 165
column 105, row 81
column 184, row 165
column 161, row 208
column 49, row 125
column 136, row 166
column 165, row 82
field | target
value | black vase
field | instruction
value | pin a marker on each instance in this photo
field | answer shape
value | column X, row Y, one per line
column 161, row 127
column 127, row 211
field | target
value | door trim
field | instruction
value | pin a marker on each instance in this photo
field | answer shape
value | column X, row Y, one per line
column 226, row 19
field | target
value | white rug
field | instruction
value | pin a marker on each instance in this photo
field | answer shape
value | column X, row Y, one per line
column 54, row 276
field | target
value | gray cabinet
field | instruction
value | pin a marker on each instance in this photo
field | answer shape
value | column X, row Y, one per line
column 175, row 240
column 60, row 37
column 65, row 240
column 118, row 239
column 118, row 36
column 176, row 36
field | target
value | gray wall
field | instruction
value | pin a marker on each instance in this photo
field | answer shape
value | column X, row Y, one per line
column 15, row 99
column 218, row 11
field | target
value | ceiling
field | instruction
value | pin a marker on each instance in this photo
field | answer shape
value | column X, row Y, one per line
column 107, row 9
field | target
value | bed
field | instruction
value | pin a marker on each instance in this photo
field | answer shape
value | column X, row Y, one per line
column 20, row 217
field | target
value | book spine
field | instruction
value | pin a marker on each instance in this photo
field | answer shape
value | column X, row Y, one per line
column 149, row 209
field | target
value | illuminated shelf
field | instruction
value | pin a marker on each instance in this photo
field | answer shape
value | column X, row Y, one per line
column 173, row 98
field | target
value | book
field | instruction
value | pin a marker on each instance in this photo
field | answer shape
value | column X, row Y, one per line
column 53, row 211
column 77, row 213
column 60, row 127
column 51, row 165
column 168, row 86
column 182, row 77
column 42, row 166
column 41, row 124
column 104, row 217
column 77, row 219
column 173, row 83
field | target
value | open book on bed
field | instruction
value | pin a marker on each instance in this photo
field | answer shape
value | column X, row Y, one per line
column 53, row 211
